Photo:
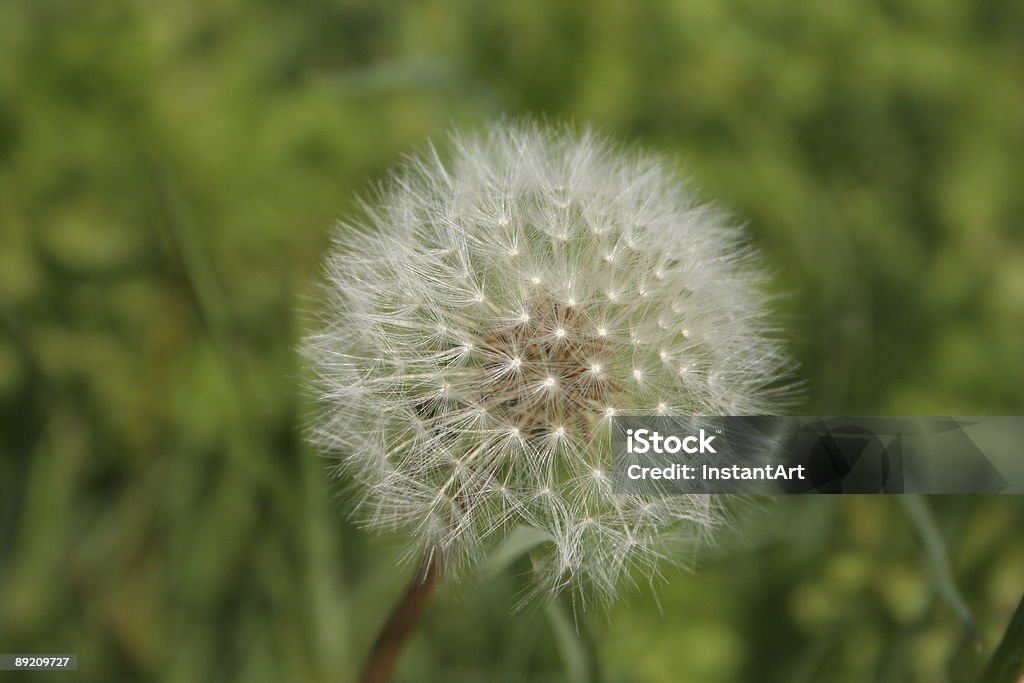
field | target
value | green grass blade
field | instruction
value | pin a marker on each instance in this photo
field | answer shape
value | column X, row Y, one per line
column 571, row 645
column 937, row 557
column 1007, row 663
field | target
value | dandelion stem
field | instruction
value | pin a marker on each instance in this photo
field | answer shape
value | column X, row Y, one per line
column 402, row 620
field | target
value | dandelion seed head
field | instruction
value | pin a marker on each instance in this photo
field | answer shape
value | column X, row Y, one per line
column 491, row 312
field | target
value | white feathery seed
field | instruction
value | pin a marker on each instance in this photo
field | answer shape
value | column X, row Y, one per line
column 488, row 316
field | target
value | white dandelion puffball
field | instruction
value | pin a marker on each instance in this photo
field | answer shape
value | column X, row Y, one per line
column 488, row 316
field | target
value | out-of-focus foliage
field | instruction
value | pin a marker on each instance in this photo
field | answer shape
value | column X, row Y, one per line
column 168, row 172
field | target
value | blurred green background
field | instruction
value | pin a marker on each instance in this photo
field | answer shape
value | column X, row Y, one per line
column 169, row 172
